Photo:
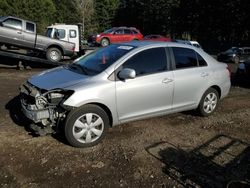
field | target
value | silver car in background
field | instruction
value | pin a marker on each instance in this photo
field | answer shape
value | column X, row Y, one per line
column 122, row 83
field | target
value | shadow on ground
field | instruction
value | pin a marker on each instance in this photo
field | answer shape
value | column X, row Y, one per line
column 14, row 108
column 17, row 116
column 222, row 161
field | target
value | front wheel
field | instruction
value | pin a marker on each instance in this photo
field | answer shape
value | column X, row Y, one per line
column 208, row 102
column 54, row 55
column 86, row 126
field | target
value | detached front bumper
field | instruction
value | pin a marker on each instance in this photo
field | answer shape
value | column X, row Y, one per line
column 34, row 114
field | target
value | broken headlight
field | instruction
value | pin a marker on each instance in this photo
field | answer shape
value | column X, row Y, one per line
column 56, row 96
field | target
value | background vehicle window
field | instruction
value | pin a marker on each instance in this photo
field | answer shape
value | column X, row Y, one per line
column 119, row 31
column 60, row 34
column 134, row 31
column 127, row 31
column 148, row 61
column 184, row 58
column 49, row 32
column 30, row 27
column 201, row 61
column 72, row 33
column 13, row 23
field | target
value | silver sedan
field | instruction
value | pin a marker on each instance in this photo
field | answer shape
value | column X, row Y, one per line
column 122, row 83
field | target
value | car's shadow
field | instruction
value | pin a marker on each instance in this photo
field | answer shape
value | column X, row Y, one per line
column 14, row 108
column 222, row 161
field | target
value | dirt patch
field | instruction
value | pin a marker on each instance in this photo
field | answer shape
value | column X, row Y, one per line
column 171, row 151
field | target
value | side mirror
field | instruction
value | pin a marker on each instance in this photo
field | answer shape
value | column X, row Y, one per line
column 127, row 74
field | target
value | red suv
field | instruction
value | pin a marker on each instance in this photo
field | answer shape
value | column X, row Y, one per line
column 117, row 34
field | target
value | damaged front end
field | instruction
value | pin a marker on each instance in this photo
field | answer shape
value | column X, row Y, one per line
column 44, row 108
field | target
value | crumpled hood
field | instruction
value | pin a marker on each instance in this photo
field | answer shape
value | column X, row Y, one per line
column 60, row 77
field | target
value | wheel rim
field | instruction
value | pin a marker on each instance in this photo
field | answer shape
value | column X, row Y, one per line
column 210, row 102
column 54, row 55
column 88, row 128
column 105, row 42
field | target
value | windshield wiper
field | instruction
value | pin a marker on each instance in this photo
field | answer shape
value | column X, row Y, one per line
column 79, row 67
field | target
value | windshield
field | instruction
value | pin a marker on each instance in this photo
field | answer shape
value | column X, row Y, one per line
column 97, row 61
column 109, row 31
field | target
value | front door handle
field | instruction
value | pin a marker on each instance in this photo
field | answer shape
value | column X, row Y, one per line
column 19, row 32
column 167, row 80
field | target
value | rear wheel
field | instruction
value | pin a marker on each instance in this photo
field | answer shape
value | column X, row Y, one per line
column 208, row 102
column 86, row 126
column 105, row 42
column 54, row 55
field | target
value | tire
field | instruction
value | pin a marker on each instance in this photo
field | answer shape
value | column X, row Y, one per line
column 86, row 126
column 209, row 102
column 54, row 55
column 105, row 42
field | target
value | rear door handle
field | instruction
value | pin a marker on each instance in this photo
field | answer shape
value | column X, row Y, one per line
column 167, row 80
column 204, row 74
column 19, row 32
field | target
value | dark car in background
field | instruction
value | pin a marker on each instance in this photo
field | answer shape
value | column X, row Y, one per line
column 116, row 35
column 157, row 38
column 235, row 55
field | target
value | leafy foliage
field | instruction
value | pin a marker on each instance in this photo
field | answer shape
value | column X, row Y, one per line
column 214, row 23
column 105, row 11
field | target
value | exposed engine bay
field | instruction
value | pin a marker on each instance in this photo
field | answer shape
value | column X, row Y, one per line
column 44, row 108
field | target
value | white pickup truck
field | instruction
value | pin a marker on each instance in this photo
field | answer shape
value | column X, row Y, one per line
column 69, row 33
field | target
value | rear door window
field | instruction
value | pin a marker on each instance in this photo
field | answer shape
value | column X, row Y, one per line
column 127, row 31
column 201, row 61
column 148, row 61
column 184, row 58
column 30, row 27
column 119, row 31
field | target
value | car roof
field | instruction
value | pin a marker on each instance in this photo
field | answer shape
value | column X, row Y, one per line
column 124, row 27
column 157, row 43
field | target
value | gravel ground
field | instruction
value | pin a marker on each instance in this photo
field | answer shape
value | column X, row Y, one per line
column 178, row 150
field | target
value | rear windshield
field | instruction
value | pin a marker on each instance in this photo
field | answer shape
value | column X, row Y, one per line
column 48, row 32
column 96, row 62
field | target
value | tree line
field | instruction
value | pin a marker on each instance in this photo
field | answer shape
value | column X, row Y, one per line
column 216, row 24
